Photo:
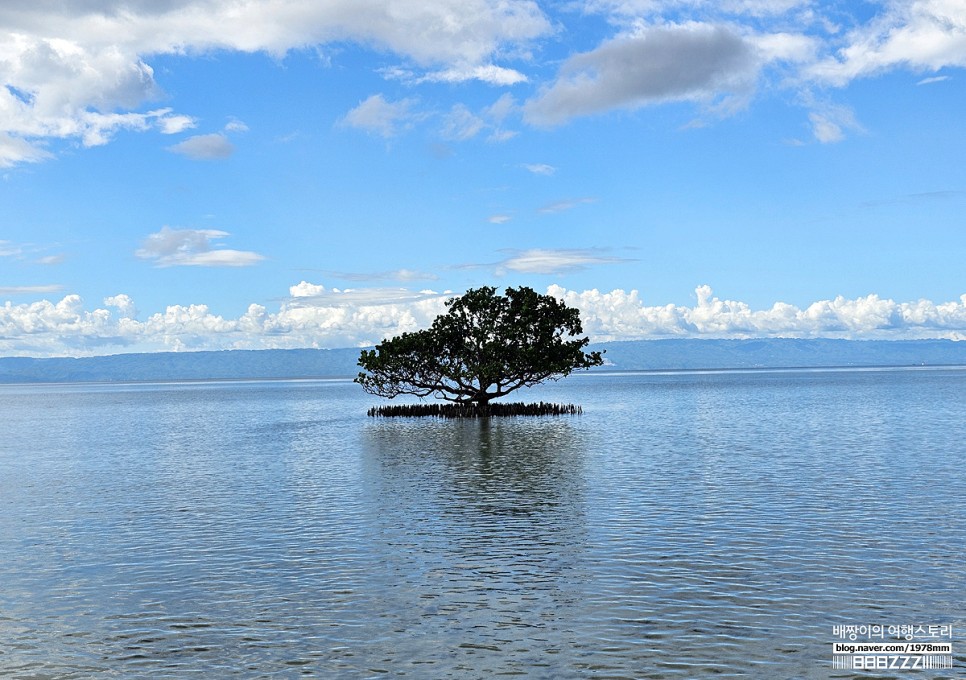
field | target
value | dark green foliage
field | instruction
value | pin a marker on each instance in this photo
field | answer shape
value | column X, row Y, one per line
column 474, row 411
column 484, row 347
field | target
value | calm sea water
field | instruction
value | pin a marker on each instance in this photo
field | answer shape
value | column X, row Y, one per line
column 686, row 525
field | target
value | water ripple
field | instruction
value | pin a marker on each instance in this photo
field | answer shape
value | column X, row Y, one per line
column 684, row 526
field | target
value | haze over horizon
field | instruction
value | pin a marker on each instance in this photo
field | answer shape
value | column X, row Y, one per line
column 213, row 174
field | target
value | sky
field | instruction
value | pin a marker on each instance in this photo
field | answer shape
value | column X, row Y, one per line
column 247, row 174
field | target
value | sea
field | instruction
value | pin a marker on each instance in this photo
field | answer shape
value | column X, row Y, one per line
column 717, row 524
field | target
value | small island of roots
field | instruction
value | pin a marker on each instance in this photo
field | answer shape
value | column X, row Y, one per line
column 484, row 347
column 474, row 410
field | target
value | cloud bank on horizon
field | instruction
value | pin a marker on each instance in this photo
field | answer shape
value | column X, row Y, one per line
column 314, row 316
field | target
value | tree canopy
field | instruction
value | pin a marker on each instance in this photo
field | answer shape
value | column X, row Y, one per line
column 485, row 346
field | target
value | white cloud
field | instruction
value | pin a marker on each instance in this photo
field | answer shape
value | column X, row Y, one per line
column 222, row 257
column 552, row 261
column 80, row 70
column 14, row 150
column 565, row 204
column 540, row 168
column 829, row 123
column 620, row 315
column 825, row 129
column 411, row 275
column 48, row 329
column 924, row 35
column 501, row 108
column 8, row 249
column 172, row 124
column 67, row 85
column 30, row 290
column 193, row 247
column 499, row 219
column 309, row 294
column 315, row 316
column 500, row 136
column 487, row 73
column 693, row 62
column 235, row 125
column 124, row 305
column 930, row 81
column 461, row 124
column 204, row 147
column 786, row 47
column 388, row 119
column 719, row 57
column 29, row 251
column 304, row 289
column 378, row 116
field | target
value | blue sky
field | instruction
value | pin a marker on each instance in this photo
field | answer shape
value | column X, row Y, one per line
column 206, row 174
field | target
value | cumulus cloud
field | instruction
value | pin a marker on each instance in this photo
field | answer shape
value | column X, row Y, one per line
column 620, row 315
column 720, row 58
column 696, row 62
column 924, row 35
column 59, row 85
column 66, row 85
column 172, row 124
column 785, row 47
column 316, row 316
column 81, row 70
column 48, row 328
column 193, row 247
column 375, row 115
column 124, row 305
column 204, row 147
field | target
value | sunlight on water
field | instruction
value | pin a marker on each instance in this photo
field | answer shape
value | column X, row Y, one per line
column 686, row 525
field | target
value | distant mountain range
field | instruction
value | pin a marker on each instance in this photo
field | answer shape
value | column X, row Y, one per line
column 621, row 356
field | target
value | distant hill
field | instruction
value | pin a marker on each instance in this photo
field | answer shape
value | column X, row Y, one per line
column 621, row 356
column 225, row 365
column 780, row 353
